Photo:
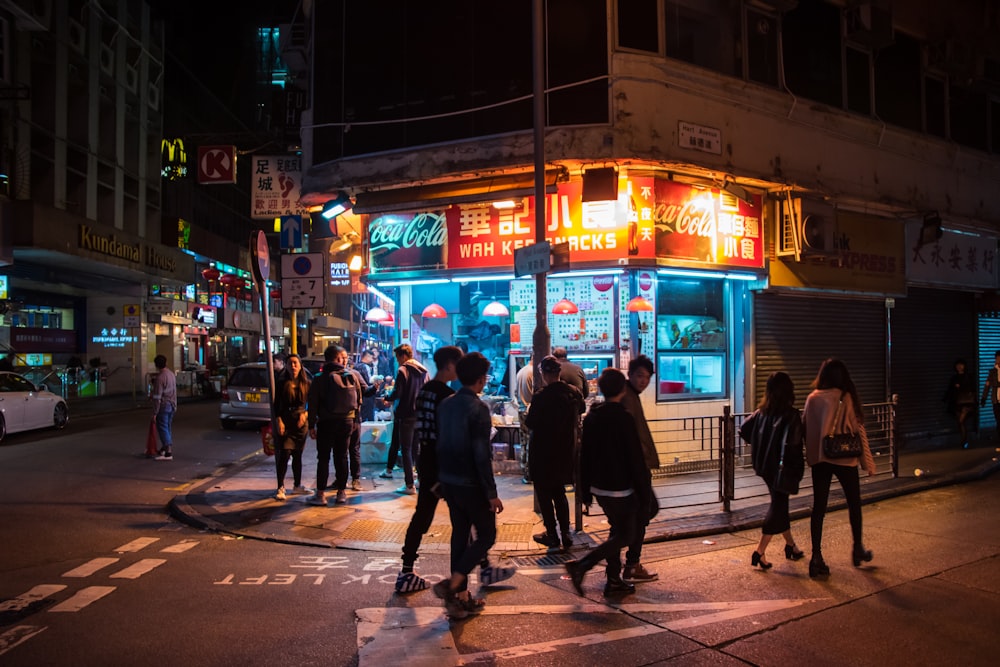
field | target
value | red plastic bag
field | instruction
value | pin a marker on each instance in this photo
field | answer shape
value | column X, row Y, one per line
column 151, row 449
column 267, row 440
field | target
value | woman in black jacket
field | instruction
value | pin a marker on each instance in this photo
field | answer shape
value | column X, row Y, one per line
column 961, row 398
column 775, row 435
column 291, row 397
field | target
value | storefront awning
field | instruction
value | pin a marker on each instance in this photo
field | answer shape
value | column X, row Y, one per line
column 455, row 192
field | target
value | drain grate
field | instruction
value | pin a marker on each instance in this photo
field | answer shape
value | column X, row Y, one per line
column 542, row 560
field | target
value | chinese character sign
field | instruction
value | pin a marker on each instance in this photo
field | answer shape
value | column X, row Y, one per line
column 956, row 258
column 708, row 226
column 275, row 184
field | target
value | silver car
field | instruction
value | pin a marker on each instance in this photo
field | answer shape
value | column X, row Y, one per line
column 247, row 396
column 25, row 406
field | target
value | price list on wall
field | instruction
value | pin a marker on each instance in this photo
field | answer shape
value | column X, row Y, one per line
column 591, row 328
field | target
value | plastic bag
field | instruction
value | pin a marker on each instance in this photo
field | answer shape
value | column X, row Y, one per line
column 267, row 440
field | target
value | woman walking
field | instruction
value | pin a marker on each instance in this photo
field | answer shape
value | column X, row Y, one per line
column 833, row 394
column 961, row 399
column 292, row 423
column 774, row 432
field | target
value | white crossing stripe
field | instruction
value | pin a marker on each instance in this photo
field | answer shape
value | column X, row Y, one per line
column 138, row 569
column 137, row 544
column 83, row 598
column 90, row 567
column 17, row 635
column 34, row 595
column 180, row 547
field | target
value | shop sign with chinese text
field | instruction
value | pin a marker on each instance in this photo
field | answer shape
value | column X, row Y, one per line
column 277, row 180
column 961, row 259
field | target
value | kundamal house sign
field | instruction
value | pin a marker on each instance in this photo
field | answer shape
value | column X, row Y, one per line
column 652, row 219
column 136, row 252
column 868, row 256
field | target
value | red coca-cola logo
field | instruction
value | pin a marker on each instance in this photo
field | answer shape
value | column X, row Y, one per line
column 693, row 218
column 401, row 242
column 604, row 283
column 645, row 281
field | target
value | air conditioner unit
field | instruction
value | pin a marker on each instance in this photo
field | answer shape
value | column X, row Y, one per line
column 868, row 24
column 107, row 60
column 77, row 37
column 817, row 234
column 806, row 227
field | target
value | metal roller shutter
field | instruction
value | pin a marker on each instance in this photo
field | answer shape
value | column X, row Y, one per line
column 930, row 330
column 989, row 343
column 796, row 333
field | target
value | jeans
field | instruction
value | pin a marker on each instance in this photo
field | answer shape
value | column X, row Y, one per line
column 850, row 482
column 333, row 435
column 622, row 515
column 165, row 424
column 469, row 508
column 408, row 444
column 553, row 506
column 420, row 522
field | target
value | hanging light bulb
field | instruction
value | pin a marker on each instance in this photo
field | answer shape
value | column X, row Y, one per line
column 434, row 311
column 495, row 309
column 376, row 314
column 639, row 304
column 565, row 307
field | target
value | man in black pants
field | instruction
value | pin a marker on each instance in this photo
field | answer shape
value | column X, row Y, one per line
column 334, row 399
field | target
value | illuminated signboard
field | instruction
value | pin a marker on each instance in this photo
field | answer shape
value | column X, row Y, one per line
column 340, row 275
column 114, row 337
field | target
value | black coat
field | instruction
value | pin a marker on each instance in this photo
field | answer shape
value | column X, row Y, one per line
column 553, row 417
column 611, row 456
column 766, row 433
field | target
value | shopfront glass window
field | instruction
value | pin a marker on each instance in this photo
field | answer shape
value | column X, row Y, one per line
column 691, row 338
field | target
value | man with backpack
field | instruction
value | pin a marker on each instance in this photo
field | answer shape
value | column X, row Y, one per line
column 334, row 400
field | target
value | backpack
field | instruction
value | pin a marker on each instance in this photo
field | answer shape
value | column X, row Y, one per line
column 343, row 393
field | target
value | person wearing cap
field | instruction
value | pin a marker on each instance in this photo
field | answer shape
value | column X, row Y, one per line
column 554, row 418
column 613, row 471
column 571, row 373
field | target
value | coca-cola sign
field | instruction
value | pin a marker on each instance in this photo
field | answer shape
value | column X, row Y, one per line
column 407, row 241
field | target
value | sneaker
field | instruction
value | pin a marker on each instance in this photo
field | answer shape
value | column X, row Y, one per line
column 318, row 499
column 618, row 587
column 410, row 582
column 387, row 474
column 576, row 573
column 407, row 490
column 341, row 497
column 165, row 456
column 546, row 540
column 356, row 485
column 492, row 574
column 301, row 490
column 280, row 495
column 637, row 574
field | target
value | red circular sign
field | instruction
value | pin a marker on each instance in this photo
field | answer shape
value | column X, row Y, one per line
column 645, row 281
column 603, row 283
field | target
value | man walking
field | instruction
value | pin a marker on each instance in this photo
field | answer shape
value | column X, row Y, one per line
column 554, row 417
column 571, row 373
column 410, row 379
column 334, row 398
column 640, row 372
column 465, row 468
column 164, row 407
column 612, row 469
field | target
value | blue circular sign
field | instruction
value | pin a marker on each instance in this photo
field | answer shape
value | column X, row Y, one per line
column 302, row 265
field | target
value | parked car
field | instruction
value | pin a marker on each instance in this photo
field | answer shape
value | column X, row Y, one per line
column 313, row 364
column 25, row 406
column 247, row 396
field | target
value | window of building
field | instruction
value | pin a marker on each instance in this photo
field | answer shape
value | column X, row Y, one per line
column 935, row 106
column 811, row 45
column 637, row 25
column 703, row 33
column 762, row 32
column 691, row 338
column 858, row 80
column 968, row 117
column 995, row 125
column 897, row 83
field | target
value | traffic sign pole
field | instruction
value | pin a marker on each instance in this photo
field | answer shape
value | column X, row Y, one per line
column 261, row 270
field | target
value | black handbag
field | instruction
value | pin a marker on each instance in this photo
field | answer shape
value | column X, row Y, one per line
column 841, row 442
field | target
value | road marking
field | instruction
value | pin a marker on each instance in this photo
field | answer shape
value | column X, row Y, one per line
column 23, row 600
column 138, row 569
column 17, row 635
column 136, row 545
column 385, row 634
column 83, row 598
column 90, row 567
column 180, row 547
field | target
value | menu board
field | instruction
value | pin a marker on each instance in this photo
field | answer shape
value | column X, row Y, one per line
column 592, row 328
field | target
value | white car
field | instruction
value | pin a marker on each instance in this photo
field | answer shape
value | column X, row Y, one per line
column 24, row 406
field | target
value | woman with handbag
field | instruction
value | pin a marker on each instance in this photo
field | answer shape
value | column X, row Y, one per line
column 292, row 423
column 836, row 444
column 774, row 432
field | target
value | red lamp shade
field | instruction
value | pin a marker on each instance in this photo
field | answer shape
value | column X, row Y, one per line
column 565, row 307
column 276, row 294
column 389, row 321
column 495, row 309
column 434, row 311
column 229, row 279
column 376, row 314
column 639, row 304
column 210, row 274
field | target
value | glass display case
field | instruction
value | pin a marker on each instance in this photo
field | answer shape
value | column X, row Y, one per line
column 697, row 373
column 592, row 365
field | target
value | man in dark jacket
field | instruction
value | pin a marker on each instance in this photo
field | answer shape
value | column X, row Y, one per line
column 332, row 413
column 465, row 468
column 554, row 417
column 410, row 378
column 612, row 470
column 571, row 373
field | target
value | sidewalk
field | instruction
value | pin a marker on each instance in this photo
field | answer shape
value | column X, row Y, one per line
column 240, row 501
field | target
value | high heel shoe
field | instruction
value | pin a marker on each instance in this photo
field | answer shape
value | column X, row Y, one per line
column 792, row 552
column 860, row 554
column 757, row 560
column 817, row 568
